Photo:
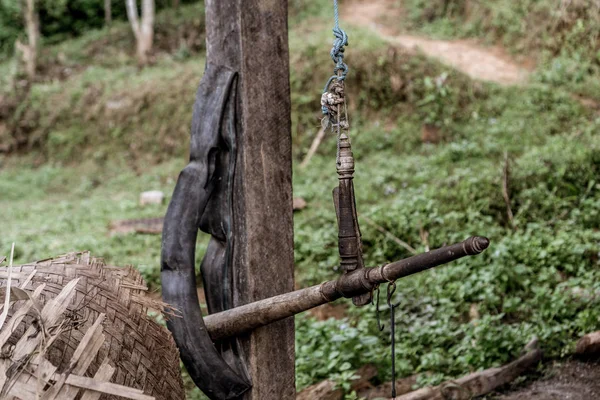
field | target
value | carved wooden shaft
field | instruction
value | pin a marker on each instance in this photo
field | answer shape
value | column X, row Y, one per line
column 349, row 237
column 250, row 316
column 349, row 233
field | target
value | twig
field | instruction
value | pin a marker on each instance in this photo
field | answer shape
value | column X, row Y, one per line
column 505, row 194
column 313, row 147
column 8, row 282
column 390, row 235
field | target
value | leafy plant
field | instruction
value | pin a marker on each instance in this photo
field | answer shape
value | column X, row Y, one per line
column 432, row 105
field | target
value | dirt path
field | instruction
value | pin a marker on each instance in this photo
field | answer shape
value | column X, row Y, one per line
column 573, row 380
column 484, row 63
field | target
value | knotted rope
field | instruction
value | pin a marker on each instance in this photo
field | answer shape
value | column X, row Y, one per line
column 337, row 55
column 333, row 101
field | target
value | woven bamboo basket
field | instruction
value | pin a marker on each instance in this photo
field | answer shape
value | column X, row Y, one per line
column 103, row 332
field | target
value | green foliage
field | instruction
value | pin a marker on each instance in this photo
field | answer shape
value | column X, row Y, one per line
column 301, row 10
column 119, row 104
column 536, row 281
column 61, row 114
column 434, row 100
column 107, row 130
column 54, row 210
column 62, row 19
column 332, row 350
column 11, row 25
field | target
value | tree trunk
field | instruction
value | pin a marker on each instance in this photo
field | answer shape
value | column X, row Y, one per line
column 175, row 3
column 132, row 16
column 147, row 31
column 33, row 34
column 144, row 32
column 107, row 12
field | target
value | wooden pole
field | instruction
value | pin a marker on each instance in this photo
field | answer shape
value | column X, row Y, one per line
column 250, row 37
column 361, row 281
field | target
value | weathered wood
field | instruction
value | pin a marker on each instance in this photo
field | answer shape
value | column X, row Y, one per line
column 329, row 390
column 104, row 373
column 263, row 312
column 324, row 390
column 250, row 37
column 479, row 383
column 589, row 344
column 258, row 314
column 49, row 315
column 349, row 236
column 107, row 387
column 7, row 295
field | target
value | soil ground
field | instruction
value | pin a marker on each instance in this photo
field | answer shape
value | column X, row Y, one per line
column 571, row 380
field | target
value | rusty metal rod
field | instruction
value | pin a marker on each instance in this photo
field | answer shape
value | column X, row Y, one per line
column 250, row 316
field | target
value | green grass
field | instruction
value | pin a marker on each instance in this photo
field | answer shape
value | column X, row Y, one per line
column 524, row 285
column 529, row 282
column 111, row 131
column 54, row 209
column 139, row 114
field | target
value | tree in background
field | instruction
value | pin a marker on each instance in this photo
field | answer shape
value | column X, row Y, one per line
column 107, row 12
column 60, row 20
column 144, row 30
column 32, row 27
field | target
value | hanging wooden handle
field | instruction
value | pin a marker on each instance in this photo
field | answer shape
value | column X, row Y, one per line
column 263, row 312
column 349, row 237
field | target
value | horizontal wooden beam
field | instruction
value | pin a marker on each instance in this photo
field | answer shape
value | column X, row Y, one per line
column 253, row 315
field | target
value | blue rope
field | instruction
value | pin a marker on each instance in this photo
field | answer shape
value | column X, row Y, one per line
column 337, row 52
column 341, row 40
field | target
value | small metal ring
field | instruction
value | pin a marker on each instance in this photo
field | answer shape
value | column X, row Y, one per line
column 381, row 269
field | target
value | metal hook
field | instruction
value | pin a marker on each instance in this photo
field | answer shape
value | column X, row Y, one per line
column 391, row 288
column 390, row 292
column 380, row 326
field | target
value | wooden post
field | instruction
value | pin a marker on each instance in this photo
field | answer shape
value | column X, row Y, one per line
column 250, row 37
